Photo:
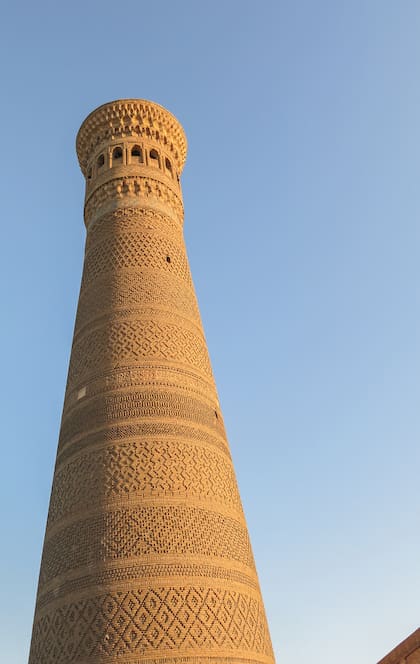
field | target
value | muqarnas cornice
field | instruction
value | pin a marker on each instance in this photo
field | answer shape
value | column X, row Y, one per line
column 131, row 118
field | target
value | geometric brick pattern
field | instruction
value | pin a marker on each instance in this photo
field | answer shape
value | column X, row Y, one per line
column 147, row 557
column 129, row 341
column 122, row 432
column 108, row 409
column 147, row 375
column 134, row 220
column 137, row 289
column 136, row 251
column 123, row 575
column 148, row 621
column 143, row 468
column 160, row 530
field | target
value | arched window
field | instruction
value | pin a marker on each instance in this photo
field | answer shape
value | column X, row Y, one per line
column 136, row 155
column 154, row 158
column 89, row 174
column 100, row 161
column 168, row 165
column 117, row 155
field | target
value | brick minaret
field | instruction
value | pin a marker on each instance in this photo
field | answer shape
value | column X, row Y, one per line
column 146, row 556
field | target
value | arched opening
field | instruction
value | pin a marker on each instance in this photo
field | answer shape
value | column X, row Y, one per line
column 89, row 174
column 100, row 161
column 117, row 155
column 154, row 158
column 136, row 155
column 168, row 165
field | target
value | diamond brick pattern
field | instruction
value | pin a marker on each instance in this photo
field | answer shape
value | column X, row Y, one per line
column 145, row 621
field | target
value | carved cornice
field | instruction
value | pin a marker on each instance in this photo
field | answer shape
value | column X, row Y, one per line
column 128, row 188
column 131, row 117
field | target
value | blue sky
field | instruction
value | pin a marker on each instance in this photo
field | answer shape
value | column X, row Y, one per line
column 302, row 224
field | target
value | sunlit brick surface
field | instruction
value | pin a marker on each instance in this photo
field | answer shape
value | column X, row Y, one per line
column 146, row 555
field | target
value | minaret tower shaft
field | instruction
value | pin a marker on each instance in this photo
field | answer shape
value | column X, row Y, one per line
column 146, row 556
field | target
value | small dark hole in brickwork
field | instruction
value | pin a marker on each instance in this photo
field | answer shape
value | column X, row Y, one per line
column 215, row 412
column 168, row 259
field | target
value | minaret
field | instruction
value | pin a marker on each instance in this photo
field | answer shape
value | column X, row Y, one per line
column 146, row 556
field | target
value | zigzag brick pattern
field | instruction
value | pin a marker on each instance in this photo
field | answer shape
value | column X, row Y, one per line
column 147, row 557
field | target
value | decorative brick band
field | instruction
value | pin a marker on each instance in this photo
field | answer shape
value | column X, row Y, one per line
column 205, row 621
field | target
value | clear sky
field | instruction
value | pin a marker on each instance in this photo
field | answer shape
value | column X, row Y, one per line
column 302, row 225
